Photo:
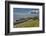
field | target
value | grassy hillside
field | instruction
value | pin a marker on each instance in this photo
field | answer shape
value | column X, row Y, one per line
column 29, row 23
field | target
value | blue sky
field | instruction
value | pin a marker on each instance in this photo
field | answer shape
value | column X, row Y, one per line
column 23, row 12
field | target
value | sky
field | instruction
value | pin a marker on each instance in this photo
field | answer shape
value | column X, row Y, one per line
column 23, row 12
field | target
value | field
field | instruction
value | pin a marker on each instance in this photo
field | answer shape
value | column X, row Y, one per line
column 27, row 23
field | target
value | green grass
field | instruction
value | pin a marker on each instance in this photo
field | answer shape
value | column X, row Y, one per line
column 29, row 23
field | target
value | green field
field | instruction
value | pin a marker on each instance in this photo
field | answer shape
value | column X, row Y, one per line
column 29, row 23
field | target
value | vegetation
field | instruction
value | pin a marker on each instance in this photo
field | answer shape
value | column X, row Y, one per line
column 27, row 22
column 34, row 22
column 35, row 18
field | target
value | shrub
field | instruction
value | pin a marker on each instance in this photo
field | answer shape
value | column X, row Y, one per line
column 34, row 18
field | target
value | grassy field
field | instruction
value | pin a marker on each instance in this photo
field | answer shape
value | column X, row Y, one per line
column 29, row 23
